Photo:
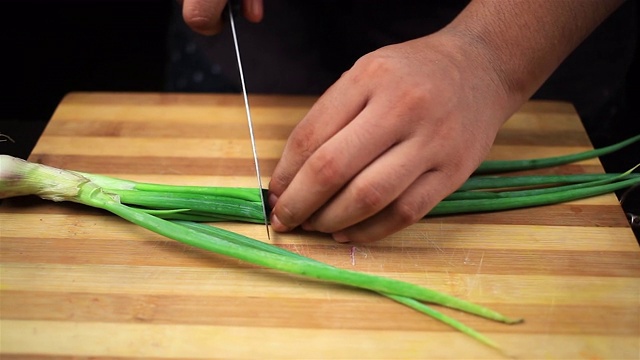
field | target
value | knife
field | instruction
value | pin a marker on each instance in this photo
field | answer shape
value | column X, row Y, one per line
column 233, row 7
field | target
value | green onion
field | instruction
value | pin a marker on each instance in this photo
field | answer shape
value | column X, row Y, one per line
column 197, row 203
column 19, row 177
column 249, row 194
column 499, row 166
column 469, row 195
column 496, row 204
column 172, row 210
column 416, row 305
column 497, row 182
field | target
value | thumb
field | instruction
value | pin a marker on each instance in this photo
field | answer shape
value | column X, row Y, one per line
column 203, row 16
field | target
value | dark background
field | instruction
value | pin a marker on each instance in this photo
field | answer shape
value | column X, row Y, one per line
column 49, row 48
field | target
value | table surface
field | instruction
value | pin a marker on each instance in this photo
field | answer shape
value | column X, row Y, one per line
column 77, row 281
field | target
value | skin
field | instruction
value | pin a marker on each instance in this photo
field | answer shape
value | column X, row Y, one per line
column 410, row 122
column 205, row 16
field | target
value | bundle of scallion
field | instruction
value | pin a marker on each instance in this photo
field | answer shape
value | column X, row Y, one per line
column 176, row 212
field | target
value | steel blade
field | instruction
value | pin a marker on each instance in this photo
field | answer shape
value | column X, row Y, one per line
column 249, row 121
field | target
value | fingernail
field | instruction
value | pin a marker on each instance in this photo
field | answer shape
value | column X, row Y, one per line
column 273, row 198
column 340, row 237
column 277, row 225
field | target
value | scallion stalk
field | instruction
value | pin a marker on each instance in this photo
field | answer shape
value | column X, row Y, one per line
column 107, row 182
column 497, row 204
column 416, row 305
column 22, row 178
column 171, row 210
column 503, row 181
column 518, row 192
column 500, row 166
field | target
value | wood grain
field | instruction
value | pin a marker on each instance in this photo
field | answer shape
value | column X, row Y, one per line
column 80, row 283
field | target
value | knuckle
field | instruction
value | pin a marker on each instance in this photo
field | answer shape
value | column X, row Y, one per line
column 279, row 182
column 408, row 212
column 286, row 216
column 300, row 142
column 326, row 169
column 376, row 63
column 416, row 95
column 369, row 197
column 370, row 67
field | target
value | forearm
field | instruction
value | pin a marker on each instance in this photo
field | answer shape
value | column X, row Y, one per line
column 524, row 41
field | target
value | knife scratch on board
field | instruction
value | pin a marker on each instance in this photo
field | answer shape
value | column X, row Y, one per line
column 475, row 281
column 352, row 254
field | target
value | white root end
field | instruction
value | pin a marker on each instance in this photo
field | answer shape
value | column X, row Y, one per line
column 19, row 177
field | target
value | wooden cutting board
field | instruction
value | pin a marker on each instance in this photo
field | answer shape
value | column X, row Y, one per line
column 77, row 282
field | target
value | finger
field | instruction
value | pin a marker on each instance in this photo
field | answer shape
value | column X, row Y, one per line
column 335, row 108
column 330, row 167
column 371, row 190
column 425, row 193
column 203, row 16
column 253, row 10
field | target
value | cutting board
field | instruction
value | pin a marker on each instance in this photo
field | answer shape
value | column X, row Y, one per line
column 78, row 282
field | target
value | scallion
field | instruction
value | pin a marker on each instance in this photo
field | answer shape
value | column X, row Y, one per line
column 19, row 177
column 500, row 166
column 173, row 211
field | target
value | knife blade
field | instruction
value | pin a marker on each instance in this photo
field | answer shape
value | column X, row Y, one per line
column 248, row 112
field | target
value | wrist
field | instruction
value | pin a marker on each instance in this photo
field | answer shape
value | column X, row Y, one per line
column 494, row 63
column 481, row 71
column 521, row 43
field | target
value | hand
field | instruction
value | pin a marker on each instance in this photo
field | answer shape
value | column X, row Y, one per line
column 398, row 132
column 205, row 16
